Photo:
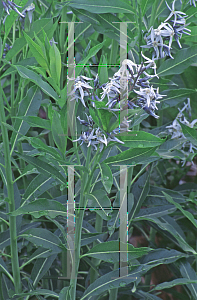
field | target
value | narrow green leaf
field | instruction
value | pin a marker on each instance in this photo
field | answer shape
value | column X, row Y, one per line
column 109, row 251
column 44, row 148
column 29, row 106
column 187, row 214
column 140, row 139
column 166, row 226
column 175, row 96
column 34, row 77
column 55, row 63
column 93, row 51
column 3, row 269
column 43, row 238
column 106, row 176
column 42, row 207
column 102, row 6
column 189, row 133
column 37, row 27
column 40, row 268
column 140, row 191
column 58, row 133
column 188, row 272
column 132, row 156
column 37, row 52
column 36, row 121
column 43, row 167
column 102, row 70
column 183, row 59
column 169, row 284
column 38, row 292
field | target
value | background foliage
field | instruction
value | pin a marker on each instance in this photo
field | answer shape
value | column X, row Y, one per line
column 36, row 150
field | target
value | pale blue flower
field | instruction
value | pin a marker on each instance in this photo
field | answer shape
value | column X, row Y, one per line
column 173, row 12
column 81, row 89
column 87, row 137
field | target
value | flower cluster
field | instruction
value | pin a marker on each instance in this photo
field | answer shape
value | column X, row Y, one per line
column 131, row 77
column 176, row 131
column 81, row 89
column 95, row 136
column 160, row 39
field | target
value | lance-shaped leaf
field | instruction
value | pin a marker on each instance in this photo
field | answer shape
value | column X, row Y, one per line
column 38, row 292
column 40, row 268
column 36, row 122
column 169, row 284
column 34, row 77
column 183, row 59
column 109, row 251
column 157, row 211
column 174, row 97
column 140, row 139
column 189, row 133
column 29, row 106
column 55, row 63
column 43, row 238
column 166, row 226
column 37, row 52
column 187, row 214
column 3, row 269
column 133, row 157
column 58, row 133
column 102, row 6
column 93, row 51
column 113, row 280
column 188, row 272
column 42, row 207
column 106, row 176
column 43, row 167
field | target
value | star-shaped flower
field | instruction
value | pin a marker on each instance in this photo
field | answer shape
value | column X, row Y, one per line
column 173, row 12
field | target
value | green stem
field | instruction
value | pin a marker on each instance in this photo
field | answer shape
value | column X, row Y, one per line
column 113, row 294
column 22, row 163
column 85, row 186
column 78, row 230
column 140, row 31
column 10, row 190
column 62, row 43
column 13, row 78
column 95, row 261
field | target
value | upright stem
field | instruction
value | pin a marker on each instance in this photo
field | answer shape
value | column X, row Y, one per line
column 85, row 187
column 10, row 190
column 140, row 31
column 78, row 230
column 95, row 261
column 13, row 77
